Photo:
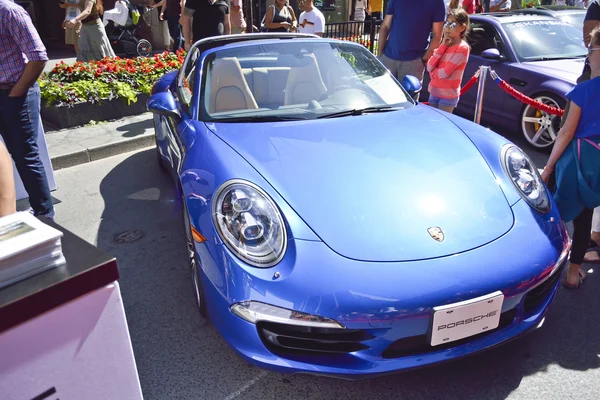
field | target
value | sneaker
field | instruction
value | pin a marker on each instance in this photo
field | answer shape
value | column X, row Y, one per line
column 50, row 215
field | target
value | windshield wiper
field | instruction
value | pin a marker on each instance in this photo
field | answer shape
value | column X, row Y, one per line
column 260, row 118
column 557, row 58
column 359, row 111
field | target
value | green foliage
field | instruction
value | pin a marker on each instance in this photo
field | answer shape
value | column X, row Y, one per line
column 107, row 79
column 348, row 57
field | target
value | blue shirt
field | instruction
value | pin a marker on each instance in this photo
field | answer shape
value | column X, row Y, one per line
column 585, row 95
column 412, row 21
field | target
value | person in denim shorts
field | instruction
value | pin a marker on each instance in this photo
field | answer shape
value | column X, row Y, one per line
column 447, row 65
column 438, row 102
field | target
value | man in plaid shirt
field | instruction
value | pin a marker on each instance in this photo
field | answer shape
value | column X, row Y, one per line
column 22, row 60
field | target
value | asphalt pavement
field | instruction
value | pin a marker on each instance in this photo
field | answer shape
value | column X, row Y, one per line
column 180, row 356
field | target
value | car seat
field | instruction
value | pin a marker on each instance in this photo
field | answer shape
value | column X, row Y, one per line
column 228, row 88
column 304, row 81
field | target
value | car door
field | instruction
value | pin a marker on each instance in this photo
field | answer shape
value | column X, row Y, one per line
column 483, row 36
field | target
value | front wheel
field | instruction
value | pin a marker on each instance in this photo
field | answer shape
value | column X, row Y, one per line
column 540, row 128
column 144, row 48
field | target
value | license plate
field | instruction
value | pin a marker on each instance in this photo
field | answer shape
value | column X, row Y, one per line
column 470, row 317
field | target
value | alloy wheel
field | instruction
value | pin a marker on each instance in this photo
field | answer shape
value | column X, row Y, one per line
column 540, row 128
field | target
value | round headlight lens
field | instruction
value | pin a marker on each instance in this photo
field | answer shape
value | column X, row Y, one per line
column 524, row 175
column 249, row 223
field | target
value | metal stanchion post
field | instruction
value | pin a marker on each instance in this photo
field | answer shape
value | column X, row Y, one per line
column 483, row 72
column 250, row 23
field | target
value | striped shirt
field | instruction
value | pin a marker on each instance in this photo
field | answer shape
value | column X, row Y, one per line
column 19, row 42
column 446, row 68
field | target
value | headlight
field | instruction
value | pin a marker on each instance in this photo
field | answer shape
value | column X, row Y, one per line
column 524, row 175
column 249, row 223
column 254, row 311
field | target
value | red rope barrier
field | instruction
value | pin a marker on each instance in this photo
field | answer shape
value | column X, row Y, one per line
column 469, row 84
column 529, row 101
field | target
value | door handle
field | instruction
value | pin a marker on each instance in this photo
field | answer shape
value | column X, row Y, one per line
column 517, row 82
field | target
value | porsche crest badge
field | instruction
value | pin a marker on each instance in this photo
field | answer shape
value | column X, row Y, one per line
column 436, row 233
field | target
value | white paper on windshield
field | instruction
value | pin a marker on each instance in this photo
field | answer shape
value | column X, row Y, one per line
column 387, row 89
column 523, row 24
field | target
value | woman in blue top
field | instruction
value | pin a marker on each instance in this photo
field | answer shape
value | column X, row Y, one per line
column 576, row 156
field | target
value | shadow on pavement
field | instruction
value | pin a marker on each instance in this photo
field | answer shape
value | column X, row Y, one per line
column 180, row 356
column 135, row 128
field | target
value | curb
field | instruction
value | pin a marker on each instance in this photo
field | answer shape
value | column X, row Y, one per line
column 99, row 152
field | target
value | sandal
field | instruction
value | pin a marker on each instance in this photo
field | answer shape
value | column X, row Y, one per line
column 595, row 261
column 592, row 244
column 582, row 277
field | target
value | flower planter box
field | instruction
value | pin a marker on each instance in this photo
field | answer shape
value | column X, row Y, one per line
column 81, row 114
column 87, row 86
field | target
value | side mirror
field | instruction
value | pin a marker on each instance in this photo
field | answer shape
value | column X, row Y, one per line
column 412, row 85
column 492, row 54
column 163, row 103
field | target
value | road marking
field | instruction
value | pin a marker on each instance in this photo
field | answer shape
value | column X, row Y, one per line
column 246, row 386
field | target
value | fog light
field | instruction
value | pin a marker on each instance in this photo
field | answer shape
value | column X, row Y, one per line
column 254, row 311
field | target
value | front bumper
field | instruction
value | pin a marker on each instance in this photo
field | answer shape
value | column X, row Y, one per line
column 386, row 307
column 384, row 356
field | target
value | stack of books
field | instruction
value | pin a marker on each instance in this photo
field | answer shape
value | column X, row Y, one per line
column 27, row 247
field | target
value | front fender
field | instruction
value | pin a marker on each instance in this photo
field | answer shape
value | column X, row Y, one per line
column 558, row 87
column 208, row 163
column 489, row 144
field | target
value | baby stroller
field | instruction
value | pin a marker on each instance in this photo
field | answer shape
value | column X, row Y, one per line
column 121, row 24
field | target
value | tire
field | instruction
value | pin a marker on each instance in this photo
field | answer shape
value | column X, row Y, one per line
column 538, row 127
column 143, row 48
column 159, row 159
column 193, row 263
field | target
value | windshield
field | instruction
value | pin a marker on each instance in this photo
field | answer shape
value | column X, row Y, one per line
column 295, row 79
column 575, row 19
column 545, row 40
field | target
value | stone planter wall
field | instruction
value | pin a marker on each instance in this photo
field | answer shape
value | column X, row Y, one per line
column 68, row 117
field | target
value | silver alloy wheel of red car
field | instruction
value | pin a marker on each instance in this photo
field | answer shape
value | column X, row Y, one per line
column 540, row 128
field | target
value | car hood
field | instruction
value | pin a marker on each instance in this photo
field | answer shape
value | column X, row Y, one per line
column 566, row 69
column 372, row 186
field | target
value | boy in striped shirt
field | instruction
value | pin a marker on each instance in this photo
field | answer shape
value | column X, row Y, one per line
column 448, row 63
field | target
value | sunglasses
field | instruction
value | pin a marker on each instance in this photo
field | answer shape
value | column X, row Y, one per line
column 450, row 25
column 592, row 49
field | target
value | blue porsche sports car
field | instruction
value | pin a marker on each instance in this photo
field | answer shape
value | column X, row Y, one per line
column 336, row 227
